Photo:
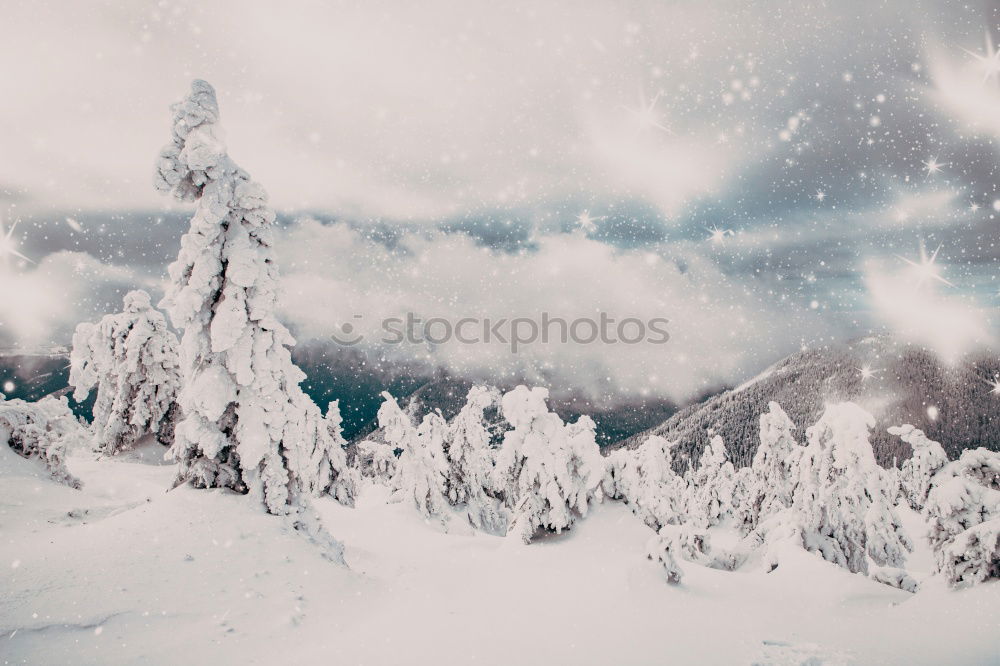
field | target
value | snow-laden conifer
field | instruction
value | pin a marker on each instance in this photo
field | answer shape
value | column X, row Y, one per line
column 645, row 479
column 711, row 486
column 422, row 469
column 841, row 497
column 470, row 462
column 916, row 472
column 546, row 473
column 247, row 425
column 963, row 512
column 767, row 486
column 131, row 357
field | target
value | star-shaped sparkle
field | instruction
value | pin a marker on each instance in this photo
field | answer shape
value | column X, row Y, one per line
column 587, row 222
column 646, row 115
column 8, row 244
column 717, row 235
column 932, row 166
column 925, row 268
column 989, row 63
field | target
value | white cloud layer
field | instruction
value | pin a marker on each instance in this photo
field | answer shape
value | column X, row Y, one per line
column 719, row 328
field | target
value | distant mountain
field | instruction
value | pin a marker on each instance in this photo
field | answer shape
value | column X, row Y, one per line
column 897, row 383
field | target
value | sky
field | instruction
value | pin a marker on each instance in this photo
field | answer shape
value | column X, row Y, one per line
column 767, row 176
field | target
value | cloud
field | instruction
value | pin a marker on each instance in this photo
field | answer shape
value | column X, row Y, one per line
column 719, row 328
column 918, row 308
column 963, row 93
column 42, row 305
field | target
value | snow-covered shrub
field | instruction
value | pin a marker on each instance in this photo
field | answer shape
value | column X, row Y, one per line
column 646, row 481
column 662, row 548
column 247, row 424
column 711, row 486
column 422, row 469
column 132, row 359
column 894, row 577
column 470, row 463
column 546, row 473
column 615, row 465
column 42, row 431
column 767, row 486
column 916, row 471
column 841, row 497
column 963, row 510
column 376, row 460
column 774, row 534
column 694, row 545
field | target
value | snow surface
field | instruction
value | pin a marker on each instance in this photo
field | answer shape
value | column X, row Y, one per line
column 123, row 571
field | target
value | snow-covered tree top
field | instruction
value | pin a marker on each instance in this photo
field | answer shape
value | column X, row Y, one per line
column 137, row 301
column 523, row 405
column 186, row 165
column 843, row 431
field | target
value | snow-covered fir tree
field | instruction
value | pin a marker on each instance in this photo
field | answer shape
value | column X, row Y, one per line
column 334, row 476
column 247, row 425
column 711, row 486
column 132, row 359
column 470, row 463
column 916, row 472
column 546, row 473
column 422, row 469
column 767, row 484
column 963, row 512
column 42, row 431
column 586, row 464
column 841, row 496
column 645, row 479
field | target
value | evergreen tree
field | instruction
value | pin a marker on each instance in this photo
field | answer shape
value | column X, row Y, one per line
column 470, row 463
column 963, row 510
column 648, row 484
column 917, row 471
column 841, row 496
column 132, row 359
column 422, row 470
column 711, row 487
column 247, row 425
column 546, row 474
column 769, row 483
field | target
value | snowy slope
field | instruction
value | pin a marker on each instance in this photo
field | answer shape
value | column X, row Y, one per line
column 123, row 572
column 904, row 381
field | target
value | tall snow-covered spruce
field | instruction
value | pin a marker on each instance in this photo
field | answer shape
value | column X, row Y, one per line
column 132, row 359
column 247, row 425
